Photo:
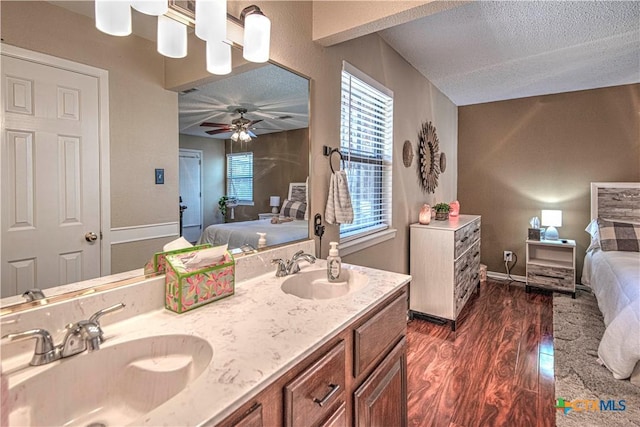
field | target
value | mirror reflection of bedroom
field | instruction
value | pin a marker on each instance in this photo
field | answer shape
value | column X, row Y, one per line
column 244, row 159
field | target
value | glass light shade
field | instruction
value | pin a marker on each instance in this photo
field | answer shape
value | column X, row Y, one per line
column 211, row 20
column 244, row 136
column 425, row 214
column 172, row 38
column 218, row 57
column 113, row 17
column 257, row 37
column 454, row 208
column 151, row 7
column 234, row 137
column 551, row 218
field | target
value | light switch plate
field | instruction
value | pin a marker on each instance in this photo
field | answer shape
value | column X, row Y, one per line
column 159, row 176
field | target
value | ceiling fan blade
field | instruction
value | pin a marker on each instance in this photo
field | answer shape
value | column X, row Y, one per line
column 217, row 131
column 214, row 125
column 251, row 134
column 253, row 122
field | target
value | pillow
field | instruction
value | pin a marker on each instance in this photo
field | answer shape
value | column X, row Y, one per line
column 619, row 236
column 293, row 209
column 592, row 229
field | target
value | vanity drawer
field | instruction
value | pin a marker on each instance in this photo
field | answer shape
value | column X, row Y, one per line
column 554, row 277
column 316, row 393
column 379, row 334
column 466, row 236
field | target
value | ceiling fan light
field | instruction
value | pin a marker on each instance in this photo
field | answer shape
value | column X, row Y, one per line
column 172, row 38
column 151, row 7
column 234, row 136
column 113, row 17
column 257, row 36
column 211, row 20
column 218, row 57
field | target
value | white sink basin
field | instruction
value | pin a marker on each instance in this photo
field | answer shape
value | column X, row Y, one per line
column 111, row 386
column 313, row 284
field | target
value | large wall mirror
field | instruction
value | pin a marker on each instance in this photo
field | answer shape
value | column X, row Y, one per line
column 266, row 101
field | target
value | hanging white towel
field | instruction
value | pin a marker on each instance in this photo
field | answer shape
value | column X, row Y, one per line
column 339, row 209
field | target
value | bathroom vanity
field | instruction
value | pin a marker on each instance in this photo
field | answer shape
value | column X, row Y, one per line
column 259, row 357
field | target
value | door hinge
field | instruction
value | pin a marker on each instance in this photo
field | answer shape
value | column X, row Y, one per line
column 100, row 234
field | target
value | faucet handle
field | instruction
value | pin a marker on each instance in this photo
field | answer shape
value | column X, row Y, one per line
column 33, row 295
column 45, row 350
column 281, row 269
column 95, row 317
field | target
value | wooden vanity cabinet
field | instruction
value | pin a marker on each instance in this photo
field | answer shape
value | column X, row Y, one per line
column 359, row 376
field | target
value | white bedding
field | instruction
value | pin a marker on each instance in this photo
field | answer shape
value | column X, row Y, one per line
column 614, row 278
column 237, row 234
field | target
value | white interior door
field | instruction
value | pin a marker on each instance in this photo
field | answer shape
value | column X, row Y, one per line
column 191, row 193
column 50, row 176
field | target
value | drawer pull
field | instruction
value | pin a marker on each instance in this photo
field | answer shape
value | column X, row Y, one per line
column 464, row 239
column 476, row 230
column 464, row 268
column 550, row 276
column 334, row 389
column 475, row 277
column 476, row 254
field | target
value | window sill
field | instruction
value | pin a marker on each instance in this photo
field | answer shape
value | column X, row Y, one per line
column 355, row 245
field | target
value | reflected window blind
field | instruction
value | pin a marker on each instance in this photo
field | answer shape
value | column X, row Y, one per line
column 366, row 138
column 240, row 176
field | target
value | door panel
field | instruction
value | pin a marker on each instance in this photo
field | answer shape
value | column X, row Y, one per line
column 191, row 193
column 50, row 176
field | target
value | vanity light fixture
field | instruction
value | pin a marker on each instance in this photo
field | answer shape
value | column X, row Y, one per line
column 209, row 19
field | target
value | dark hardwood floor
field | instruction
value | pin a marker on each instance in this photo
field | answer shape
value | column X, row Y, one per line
column 496, row 369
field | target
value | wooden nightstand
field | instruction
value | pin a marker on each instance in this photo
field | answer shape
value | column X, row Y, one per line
column 551, row 264
column 267, row 215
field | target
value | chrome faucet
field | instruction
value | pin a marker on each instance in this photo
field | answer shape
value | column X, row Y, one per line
column 285, row 268
column 80, row 336
column 33, row 295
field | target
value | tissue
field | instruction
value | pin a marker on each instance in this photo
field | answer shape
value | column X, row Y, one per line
column 179, row 243
column 204, row 258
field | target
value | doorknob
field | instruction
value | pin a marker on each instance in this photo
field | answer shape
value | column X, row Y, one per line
column 91, row 237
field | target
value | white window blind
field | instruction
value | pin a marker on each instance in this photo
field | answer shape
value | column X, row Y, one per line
column 366, row 137
column 240, row 176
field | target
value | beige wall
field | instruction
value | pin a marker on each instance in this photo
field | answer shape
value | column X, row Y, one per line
column 213, row 173
column 520, row 156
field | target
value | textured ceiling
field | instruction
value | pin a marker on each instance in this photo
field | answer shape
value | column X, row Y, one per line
column 488, row 51
column 274, row 95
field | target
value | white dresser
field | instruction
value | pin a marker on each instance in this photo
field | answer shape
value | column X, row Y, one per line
column 445, row 266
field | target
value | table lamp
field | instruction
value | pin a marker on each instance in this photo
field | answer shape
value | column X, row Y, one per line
column 274, row 202
column 551, row 219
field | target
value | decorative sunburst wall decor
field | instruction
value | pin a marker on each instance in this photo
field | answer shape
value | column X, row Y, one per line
column 429, row 157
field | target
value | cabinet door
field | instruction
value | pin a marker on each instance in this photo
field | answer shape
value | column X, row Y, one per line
column 382, row 399
column 252, row 418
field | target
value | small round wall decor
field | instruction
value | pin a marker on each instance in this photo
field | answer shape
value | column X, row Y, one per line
column 428, row 157
column 407, row 154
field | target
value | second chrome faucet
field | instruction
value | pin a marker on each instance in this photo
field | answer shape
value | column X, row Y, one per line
column 285, row 268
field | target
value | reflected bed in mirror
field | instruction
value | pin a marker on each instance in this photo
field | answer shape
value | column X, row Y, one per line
column 143, row 132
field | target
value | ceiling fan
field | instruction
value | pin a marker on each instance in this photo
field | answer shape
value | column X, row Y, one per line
column 240, row 127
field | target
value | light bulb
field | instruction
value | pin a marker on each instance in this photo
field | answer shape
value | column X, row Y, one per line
column 172, row 37
column 218, row 57
column 257, row 35
column 113, row 17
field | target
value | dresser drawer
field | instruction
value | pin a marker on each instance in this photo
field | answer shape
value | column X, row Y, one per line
column 379, row 334
column 554, row 277
column 465, row 266
column 314, row 394
column 466, row 236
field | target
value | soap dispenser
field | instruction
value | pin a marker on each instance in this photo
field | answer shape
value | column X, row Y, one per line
column 262, row 241
column 334, row 263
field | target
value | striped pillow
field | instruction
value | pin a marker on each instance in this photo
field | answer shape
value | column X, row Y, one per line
column 619, row 236
column 293, row 209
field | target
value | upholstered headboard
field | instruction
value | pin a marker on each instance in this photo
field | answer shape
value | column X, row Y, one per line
column 615, row 200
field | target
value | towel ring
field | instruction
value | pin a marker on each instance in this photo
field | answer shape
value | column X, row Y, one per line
column 328, row 151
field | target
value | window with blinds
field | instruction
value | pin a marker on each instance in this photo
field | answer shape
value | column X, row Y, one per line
column 366, row 138
column 240, row 177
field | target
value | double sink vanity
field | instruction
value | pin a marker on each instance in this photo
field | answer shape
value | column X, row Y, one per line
column 281, row 351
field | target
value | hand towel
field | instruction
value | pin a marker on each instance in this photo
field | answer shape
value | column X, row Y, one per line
column 339, row 209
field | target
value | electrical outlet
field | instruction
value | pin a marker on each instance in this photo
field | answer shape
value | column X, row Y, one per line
column 508, row 256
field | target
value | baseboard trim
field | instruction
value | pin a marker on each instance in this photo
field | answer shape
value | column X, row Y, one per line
column 138, row 233
column 503, row 276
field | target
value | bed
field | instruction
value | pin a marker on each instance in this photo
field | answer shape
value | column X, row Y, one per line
column 612, row 271
column 294, row 224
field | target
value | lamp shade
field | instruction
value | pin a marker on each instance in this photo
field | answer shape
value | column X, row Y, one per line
column 151, row 7
column 552, row 218
column 257, row 37
column 172, row 38
column 218, row 57
column 211, row 20
column 113, row 17
column 274, row 201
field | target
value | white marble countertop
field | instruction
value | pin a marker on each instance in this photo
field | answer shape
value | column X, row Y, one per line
column 257, row 335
